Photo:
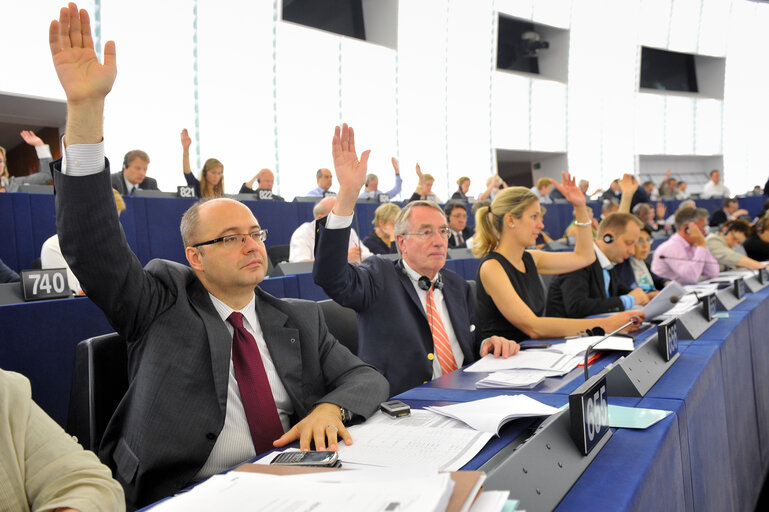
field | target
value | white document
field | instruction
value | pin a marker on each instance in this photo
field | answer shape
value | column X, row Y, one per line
column 526, row 379
column 490, row 501
column 534, row 359
column 577, row 346
column 489, row 414
column 665, row 300
column 258, row 492
column 421, row 440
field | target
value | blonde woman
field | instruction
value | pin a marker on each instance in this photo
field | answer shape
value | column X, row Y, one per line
column 464, row 187
column 382, row 239
column 5, row 177
column 510, row 295
column 211, row 182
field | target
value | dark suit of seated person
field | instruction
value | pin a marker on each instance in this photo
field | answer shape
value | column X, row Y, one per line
column 511, row 300
column 265, row 179
column 596, row 288
column 7, row 275
column 730, row 210
column 218, row 369
column 414, row 316
column 43, row 176
column 757, row 245
column 133, row 175
column 382, row 239
column 634, row 272
column 456, row 215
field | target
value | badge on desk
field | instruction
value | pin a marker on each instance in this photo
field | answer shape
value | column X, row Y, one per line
column 264, row 195
column 589, row 413
column 50, row 283
column 667, row 339
column 185, row 192
column 739, row 288
column 709, row 306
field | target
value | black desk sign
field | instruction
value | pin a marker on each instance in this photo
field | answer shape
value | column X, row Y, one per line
column 739, row 288
column 384, row 198
column 763, row 275
column 709, row 306
column 667, row 339
column 45, row 284
column 264, row 195
column 185, row 192
column 589, row 413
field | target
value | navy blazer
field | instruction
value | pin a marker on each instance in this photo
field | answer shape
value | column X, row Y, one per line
column 118, row 183
column 582, row 293
column 393, row 333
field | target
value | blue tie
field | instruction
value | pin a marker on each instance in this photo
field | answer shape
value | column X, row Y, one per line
column 606, row 278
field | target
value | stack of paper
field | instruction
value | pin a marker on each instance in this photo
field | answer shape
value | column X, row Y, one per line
column 489, row 414
column 520, row 379
column 578, row 346
column 535, row 359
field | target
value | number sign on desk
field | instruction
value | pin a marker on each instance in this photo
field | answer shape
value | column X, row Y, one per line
column 185, row 192
column 667, row 337
column 45, row 284
column 589, row 413
column 763, row 275
column 264, row 195
column 739, row 288
column 709, row 306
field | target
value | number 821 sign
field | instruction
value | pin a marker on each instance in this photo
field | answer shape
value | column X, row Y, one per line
column 45, row 284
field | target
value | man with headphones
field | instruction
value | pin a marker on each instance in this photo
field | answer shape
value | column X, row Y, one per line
column 721, row 245
column 596, row 288
column 414, row 317
column 133, row 175
column 684, row 257
column 266, row 179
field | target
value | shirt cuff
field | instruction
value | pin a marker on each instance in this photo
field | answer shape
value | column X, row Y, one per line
column 628, row 301
column 43, row 152
column 82, row 159
column 338, row 221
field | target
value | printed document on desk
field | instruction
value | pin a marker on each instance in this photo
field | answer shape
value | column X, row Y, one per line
column 489, row 414
column 535, row 359
column 577, row 346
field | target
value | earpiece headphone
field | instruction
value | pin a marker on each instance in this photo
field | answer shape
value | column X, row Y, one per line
column 424, row 281
column 608, row 238
column 204, row 171
column 125, row 163
column 760, row 227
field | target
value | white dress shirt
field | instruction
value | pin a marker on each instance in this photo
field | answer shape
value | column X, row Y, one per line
column 51, row 257
column 302, row 245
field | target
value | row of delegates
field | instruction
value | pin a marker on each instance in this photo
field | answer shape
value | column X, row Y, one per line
column 43, row 467
column 493, row 185
column 219, row 370
column 10, row 183
column 722, row 243
column 415, row 317
column 511, row 296
column 211, row 182
column 302, row 243
column 382, row 239
column 757, row 246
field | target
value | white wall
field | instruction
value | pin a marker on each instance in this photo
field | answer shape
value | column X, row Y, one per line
column 269, row 92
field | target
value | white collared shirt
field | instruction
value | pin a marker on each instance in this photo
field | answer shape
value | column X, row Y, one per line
column 234, row 444
column 602, row 259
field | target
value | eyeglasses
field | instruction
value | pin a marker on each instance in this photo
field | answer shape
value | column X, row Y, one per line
column 258, row 236
column 429, row 233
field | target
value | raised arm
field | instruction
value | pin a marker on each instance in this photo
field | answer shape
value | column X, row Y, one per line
column 186, row 141
column 629, row 185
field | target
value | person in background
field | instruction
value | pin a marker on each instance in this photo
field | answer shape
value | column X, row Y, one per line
column 5, row 176
column 133, row 175
column 542, row 190
column 51, row 256
column 609, row 206
column 646, row 213
column 714, row 187
column 730, row 210
column 382, row 239
column 684, row 257
column 43, row 467
column 634, row 273
column 464, row 187
column 266, row 180
column 456, row 215
column 757, row 246
column 371, row 190
column 7, row 275
column 614, row 192
column 211, row 182
column 43, row 177
column 510, row 296
column 424, row 190
column 493, row 185
column 573, row 228
column 668, row 190
column 681, row 192
column 325, row 180
column 721, row 245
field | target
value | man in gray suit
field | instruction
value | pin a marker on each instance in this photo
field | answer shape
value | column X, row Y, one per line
column 205, row 393
column 133, row 175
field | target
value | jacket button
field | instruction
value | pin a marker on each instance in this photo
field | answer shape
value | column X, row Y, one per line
column 293, row 340
column 210, row 436
column 430, row 356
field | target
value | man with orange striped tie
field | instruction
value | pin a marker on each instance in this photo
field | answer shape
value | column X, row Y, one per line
column 415, row 318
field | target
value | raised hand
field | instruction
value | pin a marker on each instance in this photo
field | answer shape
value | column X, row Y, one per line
column 186, row 140
column 81, row 75
column 628, row 184
column 395, row 166
column 31, row 138
column 350, row 172
column 568, row 187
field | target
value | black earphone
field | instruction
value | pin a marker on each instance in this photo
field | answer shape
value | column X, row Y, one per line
column 424, row 281
column 608, row 238
column 125, row 163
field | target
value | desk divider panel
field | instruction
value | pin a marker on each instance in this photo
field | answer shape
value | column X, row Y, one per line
column 635, row 373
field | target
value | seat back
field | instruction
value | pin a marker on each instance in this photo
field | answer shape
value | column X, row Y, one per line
column 278, row 254
column 99, row 381
column 342, row 323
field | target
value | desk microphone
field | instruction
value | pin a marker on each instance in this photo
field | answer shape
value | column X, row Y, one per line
column 634, row 320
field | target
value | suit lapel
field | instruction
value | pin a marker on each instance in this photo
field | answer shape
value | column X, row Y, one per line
column 219, row 340
column 456, row 315
column 598, row 273
column 410, row 291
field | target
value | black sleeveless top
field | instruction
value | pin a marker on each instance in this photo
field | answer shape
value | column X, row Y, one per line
column 489, row 321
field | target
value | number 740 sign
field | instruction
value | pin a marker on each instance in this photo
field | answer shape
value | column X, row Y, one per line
column 45, row 284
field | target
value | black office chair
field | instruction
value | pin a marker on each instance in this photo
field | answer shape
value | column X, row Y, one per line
column 99, row 381
column 473, row 287
column 278, row 254
column 342, row 323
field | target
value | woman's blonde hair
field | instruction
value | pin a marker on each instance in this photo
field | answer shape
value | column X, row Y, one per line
column 206, row 190
column 462, row 180
column 385, row 213
column 489, row 219
column 4, row 171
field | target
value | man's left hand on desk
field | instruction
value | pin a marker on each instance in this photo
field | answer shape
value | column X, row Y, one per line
column 323, row 422
column 499, row 346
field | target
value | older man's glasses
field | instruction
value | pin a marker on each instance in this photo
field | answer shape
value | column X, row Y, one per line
column 426, row 234
column 228, row 241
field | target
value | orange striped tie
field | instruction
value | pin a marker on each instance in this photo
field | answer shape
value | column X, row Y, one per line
column 440, row 338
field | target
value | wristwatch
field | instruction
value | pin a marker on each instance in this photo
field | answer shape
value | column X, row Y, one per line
column 346, row 415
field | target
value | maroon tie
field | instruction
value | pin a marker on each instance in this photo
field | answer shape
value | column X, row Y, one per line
column 258, row 402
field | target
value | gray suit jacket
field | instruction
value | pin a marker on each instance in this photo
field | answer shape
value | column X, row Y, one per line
column 40, row 178
column 179, row 349
column 118, row 183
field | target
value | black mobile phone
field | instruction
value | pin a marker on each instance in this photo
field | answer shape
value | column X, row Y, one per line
column 395, row 408
column 317, row 459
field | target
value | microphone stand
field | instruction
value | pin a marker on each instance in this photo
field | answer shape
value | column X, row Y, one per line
column 634, row 320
